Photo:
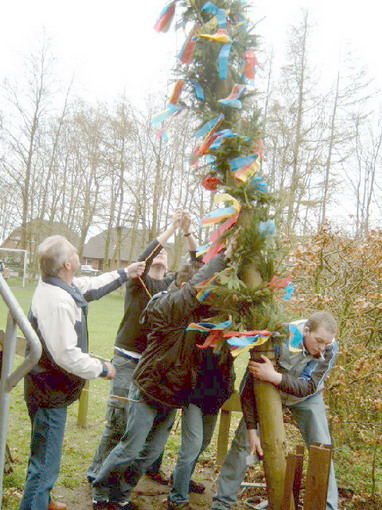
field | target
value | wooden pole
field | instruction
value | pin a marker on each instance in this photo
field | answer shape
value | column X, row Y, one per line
column 272, row 433
column 268, row 404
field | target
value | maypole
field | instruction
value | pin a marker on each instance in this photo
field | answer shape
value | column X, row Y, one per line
column 215, row 84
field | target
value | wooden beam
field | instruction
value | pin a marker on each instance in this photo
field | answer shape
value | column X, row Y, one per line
column 317, row 477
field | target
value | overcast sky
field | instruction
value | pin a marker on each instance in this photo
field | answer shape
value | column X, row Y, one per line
column 111, row 46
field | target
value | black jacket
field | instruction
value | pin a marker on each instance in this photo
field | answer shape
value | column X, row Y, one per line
column 173, row 371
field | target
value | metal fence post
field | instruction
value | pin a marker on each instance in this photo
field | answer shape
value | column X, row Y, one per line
column 9, row 379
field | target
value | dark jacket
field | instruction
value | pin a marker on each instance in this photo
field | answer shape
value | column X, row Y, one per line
column 173, row 371
column 132, row 335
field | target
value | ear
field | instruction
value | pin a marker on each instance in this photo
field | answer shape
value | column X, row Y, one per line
column 67, row 265
column 306, row 330
column 183, row 284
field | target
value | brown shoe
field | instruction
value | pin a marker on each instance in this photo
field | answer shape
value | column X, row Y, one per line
column 159, row 477
column 55, row 505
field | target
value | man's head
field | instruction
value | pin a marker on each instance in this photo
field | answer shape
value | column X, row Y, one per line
column 56, row 256
column 186, row 272
column 319, row 332
column 161, row 259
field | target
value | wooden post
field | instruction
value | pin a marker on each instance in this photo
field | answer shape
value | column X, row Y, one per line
column 232, row 404
column 268, row 404
column 83, row 406
column 317, row 477
column 293, row 475
column 273, row 440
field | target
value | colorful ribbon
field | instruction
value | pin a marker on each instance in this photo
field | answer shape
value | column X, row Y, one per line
column 221, row 137
column 210, row 8
column 223, row 60
column 240, row 162
column 209, row 126
column 221, row 36
column 289, row 290
column 223, row 213
column 215, row 332
column 165, row 18
column 244, row 340
column 187, row 50
column 279, row 283
column 249, row 66
column 177, row 91
column 233, row 99
column 199, row 92
column 259, row 185
column 246, row 172
column 165, row 114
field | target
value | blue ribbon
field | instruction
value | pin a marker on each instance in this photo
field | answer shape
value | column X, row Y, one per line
column 222, row 21
column 210, row 8
column 199, row 92
column 223, row 61
column 237, row 163
column 208, row 126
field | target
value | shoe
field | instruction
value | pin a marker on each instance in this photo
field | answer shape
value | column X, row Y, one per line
column 195, row 487
column 159, row 477
column 128, row 505
column 55, row 505
column 101, row 505
column 178, row 506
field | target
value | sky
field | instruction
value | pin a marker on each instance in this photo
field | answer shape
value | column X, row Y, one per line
column 109, row 48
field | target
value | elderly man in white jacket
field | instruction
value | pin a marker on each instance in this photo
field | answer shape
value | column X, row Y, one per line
column 58, row 315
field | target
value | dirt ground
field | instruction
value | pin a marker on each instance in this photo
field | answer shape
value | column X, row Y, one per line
column 148, row 494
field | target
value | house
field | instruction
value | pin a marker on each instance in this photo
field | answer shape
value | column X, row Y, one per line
column 122, row 246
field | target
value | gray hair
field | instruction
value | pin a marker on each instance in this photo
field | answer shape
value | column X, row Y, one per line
column 322, row 319
column 53, row 252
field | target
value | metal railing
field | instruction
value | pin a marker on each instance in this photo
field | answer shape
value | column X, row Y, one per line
column 9, row 379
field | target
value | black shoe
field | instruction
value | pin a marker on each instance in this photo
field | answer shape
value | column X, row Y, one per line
column 101, row 505
column 159, row 477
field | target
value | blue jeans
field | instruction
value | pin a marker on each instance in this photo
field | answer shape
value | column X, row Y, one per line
column 116, row 412
column 311, row 419
column 129, row 460
column 197, row 431
column 48, row 427
column 116, row 415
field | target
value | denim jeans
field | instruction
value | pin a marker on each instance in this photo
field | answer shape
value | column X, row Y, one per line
column 116, row 415
column 311, row 419
column 116, row 412
column 197, row 431
column 130, row 459
column 48, row 427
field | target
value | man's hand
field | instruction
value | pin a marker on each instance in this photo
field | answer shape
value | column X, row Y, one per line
column 265, row 371
column 135, row 269
column 254, row 443
column 177, row 218
column 186, row 222
column 110, row 370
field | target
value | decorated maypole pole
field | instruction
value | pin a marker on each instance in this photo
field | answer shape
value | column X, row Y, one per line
column 215, row 84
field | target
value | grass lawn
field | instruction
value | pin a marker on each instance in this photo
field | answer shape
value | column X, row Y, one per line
column 80, row 444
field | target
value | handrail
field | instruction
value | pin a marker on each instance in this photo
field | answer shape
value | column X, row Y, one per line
column 9, row 379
